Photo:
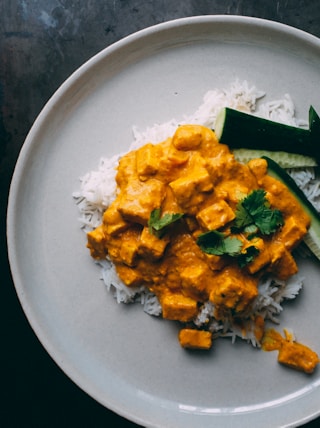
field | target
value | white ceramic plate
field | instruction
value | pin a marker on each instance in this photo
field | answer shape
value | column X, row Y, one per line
column 125, row 359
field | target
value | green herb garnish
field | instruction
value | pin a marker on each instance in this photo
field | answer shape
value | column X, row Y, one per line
column 157, row 224
column 254, row 210
column 216, row 243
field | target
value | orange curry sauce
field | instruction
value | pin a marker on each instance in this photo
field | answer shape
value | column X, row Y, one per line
column 191, row 173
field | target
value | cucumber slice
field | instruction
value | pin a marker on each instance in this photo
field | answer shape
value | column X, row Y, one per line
column 241, row 130
column 312, row 238
column 314, row 122
column 284, row 159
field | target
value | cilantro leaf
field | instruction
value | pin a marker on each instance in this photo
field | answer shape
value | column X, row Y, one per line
column 154, row 217
column 254, row 210
column 268, row 221
column 214, row 242
column 243, row 218
column 157, row 224
column 232, row 246
column 255, row 202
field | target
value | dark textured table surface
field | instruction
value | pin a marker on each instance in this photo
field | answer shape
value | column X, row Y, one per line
column 41, row 43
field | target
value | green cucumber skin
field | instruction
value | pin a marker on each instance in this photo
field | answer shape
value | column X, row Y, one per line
column 312, row 239
column 242, row 130
column 314, row 124
column 284, row 159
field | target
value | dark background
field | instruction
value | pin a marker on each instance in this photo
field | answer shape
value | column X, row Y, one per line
column 41, row 43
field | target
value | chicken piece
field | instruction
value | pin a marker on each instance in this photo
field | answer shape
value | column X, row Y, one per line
column 283, row 265
column 195, row 339
column 210, row 146
column 194, row 279
column 113, row 220
column 292, row 232
column 258, row 167
column 97, row 243
column 150, row 246
column 129, row 252
column 129, row 276
column 126, row 169
column 147, row 161
column 298, row 356
column 175, row 306
column 222, row 167
column 190, row 190
column 169, row 203
column 140, row 198
column 215, row 216
column 176, row 157
column 170, row 161
column 233, row 291
column 187, row 137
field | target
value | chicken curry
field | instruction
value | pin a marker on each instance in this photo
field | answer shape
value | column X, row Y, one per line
column 177, row 226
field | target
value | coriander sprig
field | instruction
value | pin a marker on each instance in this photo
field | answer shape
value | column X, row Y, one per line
column 218, row 244
column 254, row 210
column 158, row 224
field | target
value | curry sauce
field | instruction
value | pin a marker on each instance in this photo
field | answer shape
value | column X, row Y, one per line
column 290, row 353
column 191, row 173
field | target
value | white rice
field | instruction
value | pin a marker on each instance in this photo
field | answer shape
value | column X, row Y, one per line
column 98, row 190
